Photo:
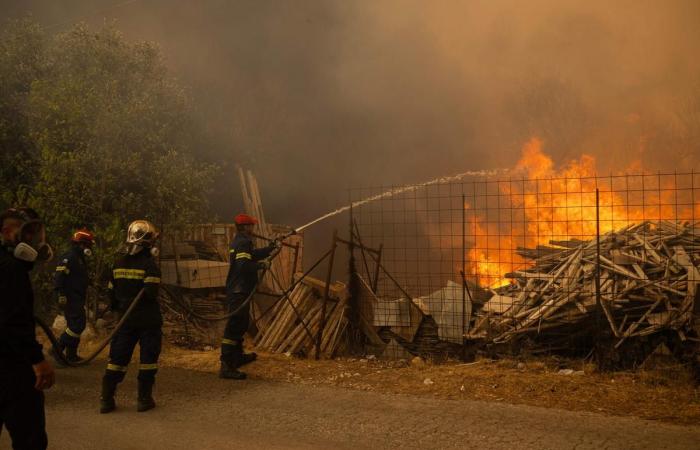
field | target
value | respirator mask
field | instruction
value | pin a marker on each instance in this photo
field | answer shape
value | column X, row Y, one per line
column 32, row 246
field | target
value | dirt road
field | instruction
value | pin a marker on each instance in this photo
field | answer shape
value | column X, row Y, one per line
column 198, row 411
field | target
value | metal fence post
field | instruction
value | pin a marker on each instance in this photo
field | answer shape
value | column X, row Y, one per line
column 319, row 336
column 353, row 306
column 464, row 280
column 597, row 270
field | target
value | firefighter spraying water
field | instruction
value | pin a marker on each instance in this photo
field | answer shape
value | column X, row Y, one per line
column 241, row 282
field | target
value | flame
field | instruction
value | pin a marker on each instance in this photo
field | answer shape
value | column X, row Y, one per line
column 550, row 204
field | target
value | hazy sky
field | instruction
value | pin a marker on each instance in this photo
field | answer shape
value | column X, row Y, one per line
column 320, row 96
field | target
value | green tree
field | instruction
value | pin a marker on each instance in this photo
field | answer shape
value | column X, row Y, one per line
column 22, row 50
column 103, row 135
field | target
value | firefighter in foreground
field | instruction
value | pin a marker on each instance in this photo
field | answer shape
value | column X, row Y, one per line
column 70, row 284
column 24, row 373
column 242, row 279
column 133, row 271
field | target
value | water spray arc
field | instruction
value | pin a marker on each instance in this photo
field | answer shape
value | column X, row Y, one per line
column 402, row 190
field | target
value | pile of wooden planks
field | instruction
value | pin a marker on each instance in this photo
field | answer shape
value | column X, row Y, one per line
column 296, row 320
column 645, row 277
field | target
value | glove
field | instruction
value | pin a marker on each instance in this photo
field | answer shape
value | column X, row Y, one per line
column 264, row 264
column 62, row 300
column 275, row 244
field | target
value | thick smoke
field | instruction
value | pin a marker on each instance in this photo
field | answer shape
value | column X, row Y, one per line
column 320, row 96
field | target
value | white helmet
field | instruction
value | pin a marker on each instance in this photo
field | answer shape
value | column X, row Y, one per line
column 142, row 233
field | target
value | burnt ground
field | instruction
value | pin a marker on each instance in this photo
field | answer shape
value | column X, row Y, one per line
column 197, row 410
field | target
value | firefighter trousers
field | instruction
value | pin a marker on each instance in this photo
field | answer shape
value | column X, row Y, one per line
column 236, row 327
column 122, row 347
column 75, row 325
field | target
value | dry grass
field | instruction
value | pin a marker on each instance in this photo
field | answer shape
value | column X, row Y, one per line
column 667, row 395
column 664, row 395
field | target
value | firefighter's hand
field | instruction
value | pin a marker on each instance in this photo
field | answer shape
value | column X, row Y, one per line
column 62, row 300
column 109, row 316
column 276, row 244
column 264, row 264
column 45, row 376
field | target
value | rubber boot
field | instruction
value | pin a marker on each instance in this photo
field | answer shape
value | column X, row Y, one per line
column 145, row 399
column 229, row 371
column 247, row 358
column 107, row 404
column 72, row 354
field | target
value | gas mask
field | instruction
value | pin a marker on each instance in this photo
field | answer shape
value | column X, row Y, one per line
column 87, row 251
column 32, row 246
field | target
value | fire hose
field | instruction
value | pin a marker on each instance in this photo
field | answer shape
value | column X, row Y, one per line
column 85, row 361
column 243, row 304
column 284, row 295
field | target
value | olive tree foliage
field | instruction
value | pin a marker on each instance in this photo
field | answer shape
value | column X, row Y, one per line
column 22, row 47
column 113, row 134
column 94, row 132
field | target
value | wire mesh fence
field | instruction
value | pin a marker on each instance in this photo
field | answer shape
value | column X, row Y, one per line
column 575, row 265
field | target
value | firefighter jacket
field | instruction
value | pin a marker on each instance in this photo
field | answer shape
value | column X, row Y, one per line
column 130, row 274
column 243, row 270
column 71, row 278
column 18, row 345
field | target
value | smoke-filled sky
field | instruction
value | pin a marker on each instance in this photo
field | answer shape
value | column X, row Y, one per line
column 319, row 96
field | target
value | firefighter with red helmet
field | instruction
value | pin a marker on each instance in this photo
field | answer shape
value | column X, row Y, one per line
column 245, row 260
column 70, row 284
column 132, row 272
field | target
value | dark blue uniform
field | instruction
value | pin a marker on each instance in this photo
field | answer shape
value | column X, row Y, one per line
column 130, row 274
column 240, row 282
column 21, row 405
column 71, row 281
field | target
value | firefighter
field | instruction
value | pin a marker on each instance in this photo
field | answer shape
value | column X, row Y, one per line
column 133, row 271
column 70, row 284
column 24, row 373
column 245, row 260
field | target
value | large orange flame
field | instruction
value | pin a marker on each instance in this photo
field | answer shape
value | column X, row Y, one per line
column 547, row 204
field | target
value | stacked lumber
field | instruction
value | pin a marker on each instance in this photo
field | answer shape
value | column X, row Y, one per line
column 648, row 280
column 296, row 320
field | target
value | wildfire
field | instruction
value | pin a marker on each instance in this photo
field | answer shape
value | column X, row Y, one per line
column 541, row 204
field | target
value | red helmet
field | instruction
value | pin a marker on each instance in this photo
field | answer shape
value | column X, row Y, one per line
column 245, row 219
column 83, row 236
